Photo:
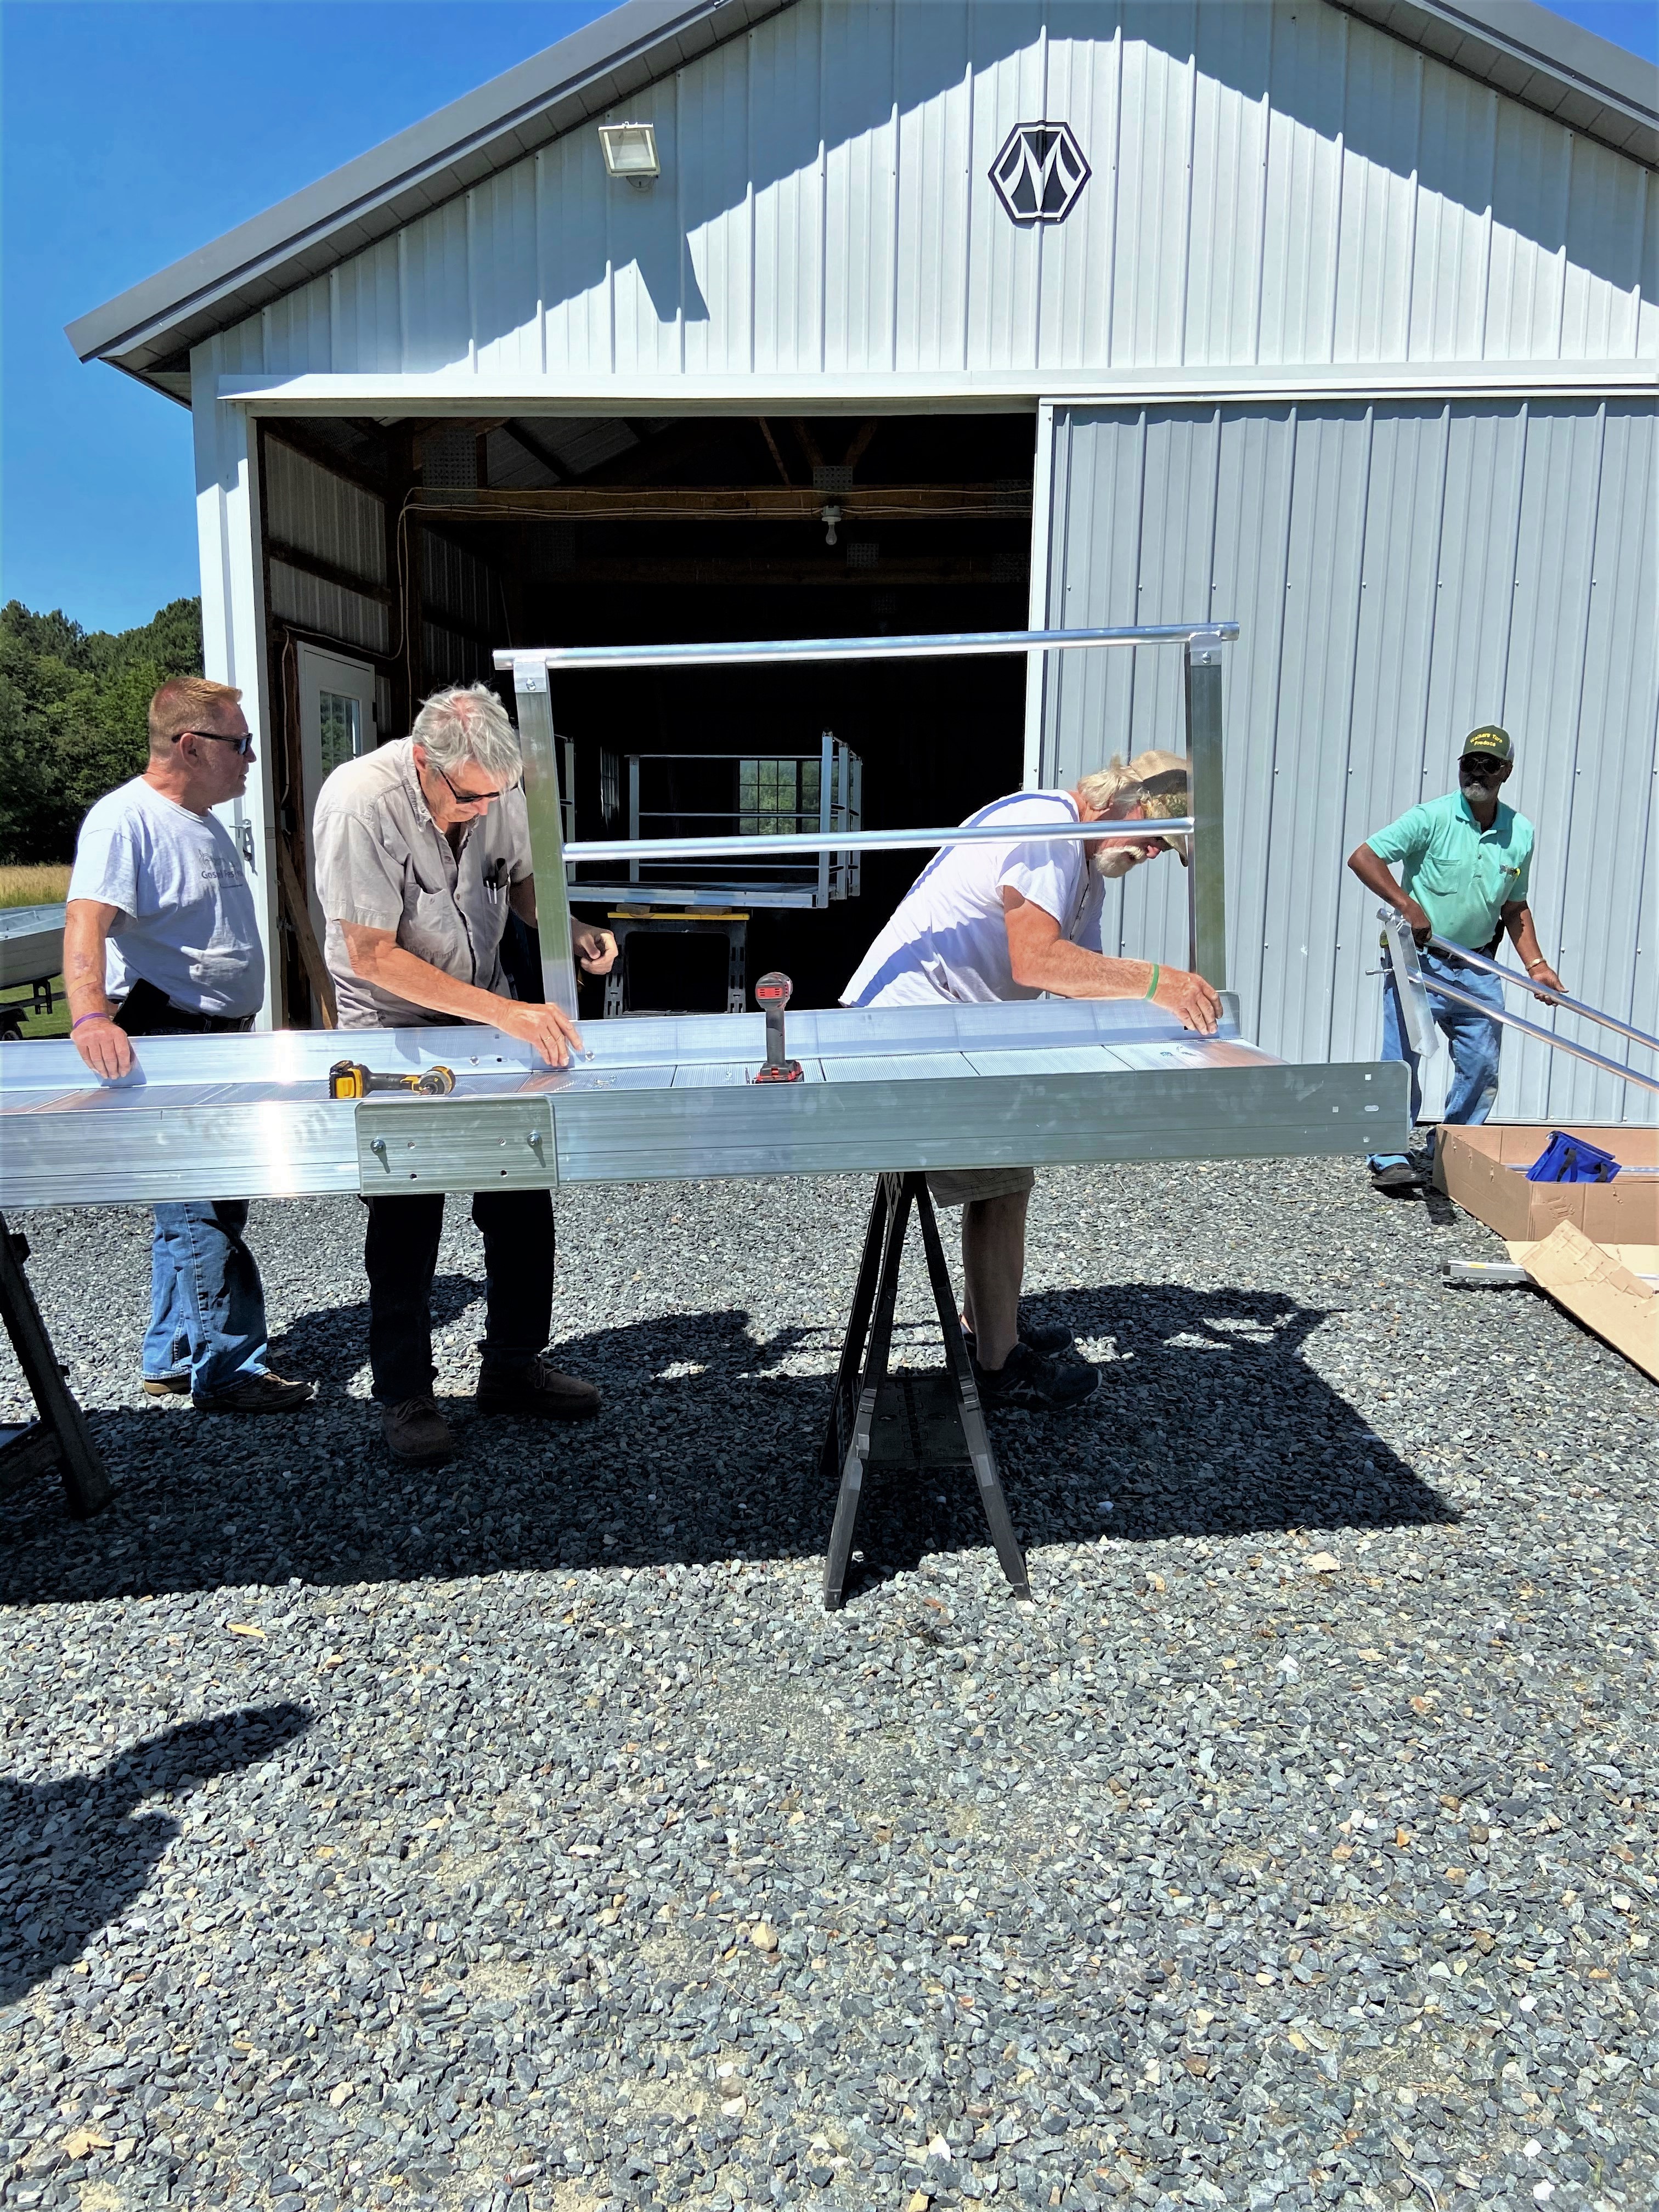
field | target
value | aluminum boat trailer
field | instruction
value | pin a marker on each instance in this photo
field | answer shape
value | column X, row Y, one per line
column 888, row 1091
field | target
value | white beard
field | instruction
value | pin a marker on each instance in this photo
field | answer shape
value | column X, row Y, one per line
column 1112, row 864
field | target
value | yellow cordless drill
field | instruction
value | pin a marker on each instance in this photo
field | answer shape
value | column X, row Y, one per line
column 349, row 1079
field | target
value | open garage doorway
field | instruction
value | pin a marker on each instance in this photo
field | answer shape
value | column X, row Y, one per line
column 545, row 530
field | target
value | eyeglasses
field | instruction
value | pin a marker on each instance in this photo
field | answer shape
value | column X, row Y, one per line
column 244, row 744
column 467, row 798
column 1479, row 764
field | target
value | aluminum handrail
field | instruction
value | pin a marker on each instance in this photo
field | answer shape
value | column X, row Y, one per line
column 1536, row 1029
column 867, row 840
column 1488, row 967
column 533, row 668
column 941, row 645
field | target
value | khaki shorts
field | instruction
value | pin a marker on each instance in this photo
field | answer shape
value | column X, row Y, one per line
column 961, row 1186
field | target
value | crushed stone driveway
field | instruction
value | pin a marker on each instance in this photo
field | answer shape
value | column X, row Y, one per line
column 521, row 1834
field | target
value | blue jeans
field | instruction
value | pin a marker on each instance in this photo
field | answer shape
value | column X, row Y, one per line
column 1475, row 1040
column 207, row 1305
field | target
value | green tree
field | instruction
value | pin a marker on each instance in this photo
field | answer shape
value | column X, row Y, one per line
column 72, row 715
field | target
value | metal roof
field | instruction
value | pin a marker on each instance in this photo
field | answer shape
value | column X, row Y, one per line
column 1536, row 57
column 1519, row 48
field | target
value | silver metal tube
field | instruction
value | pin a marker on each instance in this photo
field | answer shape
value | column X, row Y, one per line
column 932, row 646
column 862, row 840
column 1556, row 998
column 1536, row 1029
column 541, row 790
column 1206, row 878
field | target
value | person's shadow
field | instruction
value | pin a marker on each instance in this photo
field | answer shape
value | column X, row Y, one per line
column 1210, row 1421
column 77, row 1850
column 334, row 1339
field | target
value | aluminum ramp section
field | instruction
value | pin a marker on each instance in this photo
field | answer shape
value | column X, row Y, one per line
column 885, row 1089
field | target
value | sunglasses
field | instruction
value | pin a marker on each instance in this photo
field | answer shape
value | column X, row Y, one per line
column 1479, row 763
column 244, row 744
column 466, row 798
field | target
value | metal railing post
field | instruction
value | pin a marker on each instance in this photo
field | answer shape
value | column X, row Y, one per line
column 541, row 790
column 1206, row 874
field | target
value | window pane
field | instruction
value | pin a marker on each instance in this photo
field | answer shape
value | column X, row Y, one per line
column 342, row 728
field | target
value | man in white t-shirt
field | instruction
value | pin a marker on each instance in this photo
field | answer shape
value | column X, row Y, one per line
column 161, row 937
column 986, row 923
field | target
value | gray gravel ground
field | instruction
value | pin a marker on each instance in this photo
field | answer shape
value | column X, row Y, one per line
column 523, row 1835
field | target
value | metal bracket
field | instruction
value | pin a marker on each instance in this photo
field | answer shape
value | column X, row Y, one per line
column 410, row 1145
column 1419, row 1016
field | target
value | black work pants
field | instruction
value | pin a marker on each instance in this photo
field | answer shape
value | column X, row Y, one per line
column 400, row 1252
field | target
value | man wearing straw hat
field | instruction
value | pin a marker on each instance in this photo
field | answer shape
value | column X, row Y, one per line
column 987, row 922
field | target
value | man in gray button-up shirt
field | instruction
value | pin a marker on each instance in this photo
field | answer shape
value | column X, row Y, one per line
column 422, row 849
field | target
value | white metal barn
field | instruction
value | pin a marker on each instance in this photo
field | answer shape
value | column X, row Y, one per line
column 1339, row 318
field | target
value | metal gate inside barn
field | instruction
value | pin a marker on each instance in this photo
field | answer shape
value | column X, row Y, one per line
column 1401, row 572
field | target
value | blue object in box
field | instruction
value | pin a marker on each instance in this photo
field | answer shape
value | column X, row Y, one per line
column 1571, row 1159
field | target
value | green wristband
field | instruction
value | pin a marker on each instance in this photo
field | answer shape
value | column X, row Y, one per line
column 1152, row 989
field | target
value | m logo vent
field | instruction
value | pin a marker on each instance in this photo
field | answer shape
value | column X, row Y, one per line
column 1040, row 173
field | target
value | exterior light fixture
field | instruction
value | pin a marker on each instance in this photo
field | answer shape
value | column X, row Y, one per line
column 631, row 152
column 830, row 515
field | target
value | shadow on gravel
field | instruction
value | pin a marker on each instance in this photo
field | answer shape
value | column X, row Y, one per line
column 1208, row 1422
column 334, row 1339
column 74, row 1855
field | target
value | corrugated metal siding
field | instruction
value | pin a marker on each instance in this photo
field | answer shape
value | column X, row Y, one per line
column 325, row 609
column 1400, row 574
column 1274, row 182
column 314, row 511
column 454, row 581
column 462, row 611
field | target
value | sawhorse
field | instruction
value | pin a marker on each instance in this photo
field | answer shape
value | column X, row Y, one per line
column 667, row 921
column 933, row 1421
column 58, row 1436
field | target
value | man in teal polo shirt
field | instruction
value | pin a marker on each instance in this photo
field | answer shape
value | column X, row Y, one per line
column 1465, row 862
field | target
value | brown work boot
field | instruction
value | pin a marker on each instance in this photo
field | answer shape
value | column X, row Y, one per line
column 257, row 1394
column 415, row 1431
column 538, row 1390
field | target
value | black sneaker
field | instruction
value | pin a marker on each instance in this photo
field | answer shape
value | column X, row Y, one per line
column 1404, row 1174
column 1051, row 1338
column 1035, row 1384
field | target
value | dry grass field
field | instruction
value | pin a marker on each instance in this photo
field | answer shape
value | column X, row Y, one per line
column 35, row 883
column 39, row 884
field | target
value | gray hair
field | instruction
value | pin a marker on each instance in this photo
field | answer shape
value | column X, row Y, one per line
column 468, row 722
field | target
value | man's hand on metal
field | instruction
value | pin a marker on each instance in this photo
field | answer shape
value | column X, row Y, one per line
column 1190, row 998
column 545, row 1028
column 1416, row 920
column 1542, row 974
column 596, row 949
column 104, row 1046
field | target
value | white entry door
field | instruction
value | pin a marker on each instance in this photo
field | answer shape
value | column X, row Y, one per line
column 337, row 723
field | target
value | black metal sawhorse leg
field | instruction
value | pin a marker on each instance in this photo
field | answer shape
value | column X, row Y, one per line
column 59, row 1438
column 862, row 1377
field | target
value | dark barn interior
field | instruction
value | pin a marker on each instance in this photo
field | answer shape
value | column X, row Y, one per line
column 550, row 530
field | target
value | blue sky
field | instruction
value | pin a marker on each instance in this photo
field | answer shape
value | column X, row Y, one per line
column 128, row 138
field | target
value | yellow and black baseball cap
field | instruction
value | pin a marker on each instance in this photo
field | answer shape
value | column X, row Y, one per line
column 1490, row 741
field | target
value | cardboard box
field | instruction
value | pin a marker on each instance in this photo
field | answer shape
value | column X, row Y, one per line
column 1596, row 1289
column 1484, row 1170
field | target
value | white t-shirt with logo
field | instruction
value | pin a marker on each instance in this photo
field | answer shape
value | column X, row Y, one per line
column 948, row 937
column 186, row 921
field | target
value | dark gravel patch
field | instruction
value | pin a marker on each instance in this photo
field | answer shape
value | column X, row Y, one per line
column 373, row 1837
